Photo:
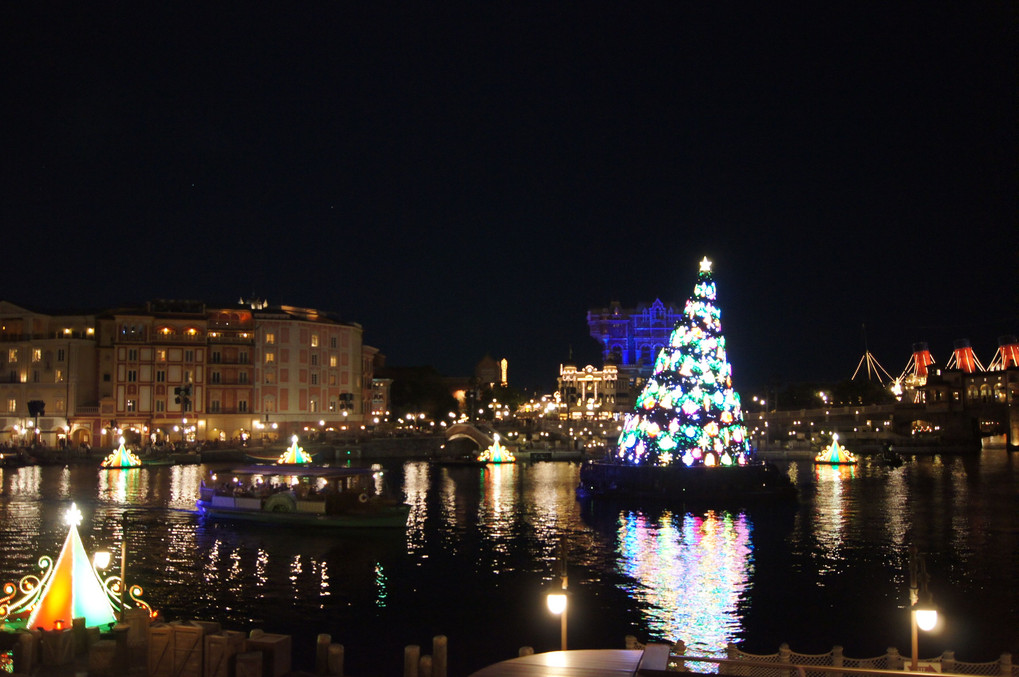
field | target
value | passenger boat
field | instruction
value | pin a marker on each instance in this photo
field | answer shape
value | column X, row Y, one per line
column 303, row 495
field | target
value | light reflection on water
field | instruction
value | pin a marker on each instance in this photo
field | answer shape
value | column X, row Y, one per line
column 480, row 547
column 689, row 571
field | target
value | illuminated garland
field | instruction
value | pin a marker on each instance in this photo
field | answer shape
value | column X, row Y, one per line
column 688, row 411
column 496, row 453
column 294, row 454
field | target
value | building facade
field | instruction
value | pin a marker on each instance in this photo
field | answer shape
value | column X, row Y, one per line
column 181, row 370
column 49, row 359
column 631, row 338
column 589, row 393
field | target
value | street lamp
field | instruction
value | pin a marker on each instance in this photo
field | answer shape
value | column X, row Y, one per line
column 556, row 598
column 923, row 614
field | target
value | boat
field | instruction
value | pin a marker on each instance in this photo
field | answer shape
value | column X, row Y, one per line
column 685, row 484
column 890, row 458
column 303, row 495
column 836, row 454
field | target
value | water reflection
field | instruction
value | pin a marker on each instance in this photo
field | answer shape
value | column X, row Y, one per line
column 831, row 513
column 689, row 572
column 497, row 508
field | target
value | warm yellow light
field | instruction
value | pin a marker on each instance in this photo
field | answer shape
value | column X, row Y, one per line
column 556, row 602
column 926, row 618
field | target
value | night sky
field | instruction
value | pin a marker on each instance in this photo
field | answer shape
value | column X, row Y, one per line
column 464, row 179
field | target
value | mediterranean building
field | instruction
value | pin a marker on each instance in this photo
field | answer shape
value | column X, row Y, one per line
column 182, row 370
column 49, row 359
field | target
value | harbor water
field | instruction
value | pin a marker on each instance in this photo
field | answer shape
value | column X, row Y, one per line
column 480, row 548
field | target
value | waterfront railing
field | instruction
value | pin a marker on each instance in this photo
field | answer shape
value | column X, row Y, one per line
column 788, row 663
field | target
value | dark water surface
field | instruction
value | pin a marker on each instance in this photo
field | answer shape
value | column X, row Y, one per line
column 479, row 553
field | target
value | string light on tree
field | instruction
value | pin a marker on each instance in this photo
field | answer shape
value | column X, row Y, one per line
column 688, row 411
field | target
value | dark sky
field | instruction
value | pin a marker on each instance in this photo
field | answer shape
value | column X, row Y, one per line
column 464, row 179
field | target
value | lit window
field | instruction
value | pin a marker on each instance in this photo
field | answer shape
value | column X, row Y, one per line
column 12, row 355
column 270, row 358
column 12, row 406
column 332, row 360
column 160, row 356
column 314, row 340
column 36, row 354
column 270, row 338
column 58, row 376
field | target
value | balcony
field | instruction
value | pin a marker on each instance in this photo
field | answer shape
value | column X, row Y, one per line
column 222, row 338
column 230, row 382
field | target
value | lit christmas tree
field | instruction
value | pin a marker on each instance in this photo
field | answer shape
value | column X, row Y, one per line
column 688, row 412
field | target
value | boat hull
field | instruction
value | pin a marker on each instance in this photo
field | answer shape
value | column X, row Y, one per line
column 758, row 482
column 384, row 517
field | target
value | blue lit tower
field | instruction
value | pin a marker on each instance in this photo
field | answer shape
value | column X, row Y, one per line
column 688, row 412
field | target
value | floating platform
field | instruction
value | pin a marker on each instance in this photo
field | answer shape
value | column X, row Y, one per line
column 702, row 484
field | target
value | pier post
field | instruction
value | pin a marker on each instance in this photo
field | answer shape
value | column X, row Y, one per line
column 526, row 651
column 336, row 660
column 439, row 656
column 948, row 661
column 425, row 666
column 894, row 659
column 1006, row 663
column 322, row 643
column 411, row 656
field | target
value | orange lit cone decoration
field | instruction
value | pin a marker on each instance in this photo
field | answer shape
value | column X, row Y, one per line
column 496, row 453
column 921, row 360
column 70, row 589
column 121, row 457
column 964, row 358
column 294, row 455
column 835, row 454
column 1007, row 355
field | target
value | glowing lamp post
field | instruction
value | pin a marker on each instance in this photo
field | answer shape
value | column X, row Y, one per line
column 923, row 614
column 556, row 598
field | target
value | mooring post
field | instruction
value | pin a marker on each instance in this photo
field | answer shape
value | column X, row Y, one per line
column 439, row 656
column 322, row 643
column 336, row 660
column 411, row 656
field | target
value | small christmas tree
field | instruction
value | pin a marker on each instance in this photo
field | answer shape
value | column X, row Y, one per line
column 688, row 412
